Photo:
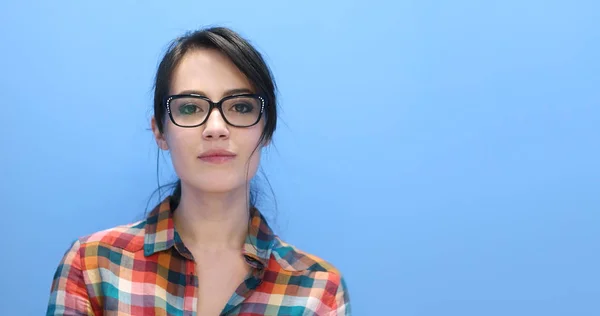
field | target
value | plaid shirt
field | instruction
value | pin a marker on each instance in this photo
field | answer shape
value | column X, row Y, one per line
column 145, row 269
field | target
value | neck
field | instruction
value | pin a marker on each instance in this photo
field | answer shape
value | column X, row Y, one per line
column 212, row 221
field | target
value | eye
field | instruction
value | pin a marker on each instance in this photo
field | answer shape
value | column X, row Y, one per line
column 189, row 109
column 243, row 107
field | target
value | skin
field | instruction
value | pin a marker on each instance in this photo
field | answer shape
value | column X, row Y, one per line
column 212, row 217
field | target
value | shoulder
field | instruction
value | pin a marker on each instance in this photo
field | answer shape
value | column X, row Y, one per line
column 292, row 259
column 128, row 237
column 307, row 270
column 70, row 291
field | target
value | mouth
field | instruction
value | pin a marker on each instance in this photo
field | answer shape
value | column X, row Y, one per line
column 217, row 156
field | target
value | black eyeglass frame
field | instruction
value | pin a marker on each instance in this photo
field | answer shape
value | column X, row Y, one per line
column 212, row 105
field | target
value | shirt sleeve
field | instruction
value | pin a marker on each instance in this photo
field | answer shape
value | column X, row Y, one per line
column 342, row 300
column 68, row 294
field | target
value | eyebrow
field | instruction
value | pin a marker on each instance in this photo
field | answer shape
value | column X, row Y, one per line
column 226, row 94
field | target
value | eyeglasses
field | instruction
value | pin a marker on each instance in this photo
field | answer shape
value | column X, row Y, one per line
column 192, row 110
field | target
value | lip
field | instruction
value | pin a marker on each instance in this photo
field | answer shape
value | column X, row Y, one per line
column 217, row 156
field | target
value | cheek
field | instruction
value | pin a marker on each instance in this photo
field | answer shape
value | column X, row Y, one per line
column 255, row 160
column 249, row 142
column 182, row 143
column 252, row 166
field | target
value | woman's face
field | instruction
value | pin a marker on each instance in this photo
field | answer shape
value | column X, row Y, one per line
column 214, row 157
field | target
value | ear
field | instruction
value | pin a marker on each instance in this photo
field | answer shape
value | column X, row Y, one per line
column 158, row 136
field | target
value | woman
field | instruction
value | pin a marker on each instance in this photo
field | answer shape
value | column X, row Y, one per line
column 204, row 250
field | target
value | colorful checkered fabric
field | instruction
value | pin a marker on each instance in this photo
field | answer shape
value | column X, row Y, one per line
column 145, row 269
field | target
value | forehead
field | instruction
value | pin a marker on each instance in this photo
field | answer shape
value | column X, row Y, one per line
column 209, row 72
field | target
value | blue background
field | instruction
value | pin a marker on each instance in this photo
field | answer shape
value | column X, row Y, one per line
column 443, row 155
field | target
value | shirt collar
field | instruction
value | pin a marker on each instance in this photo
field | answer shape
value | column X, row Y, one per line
column 160, row 234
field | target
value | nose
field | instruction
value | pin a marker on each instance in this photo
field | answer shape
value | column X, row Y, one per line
column 215, row 127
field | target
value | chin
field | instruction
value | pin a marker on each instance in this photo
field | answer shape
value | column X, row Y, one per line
column 217, row 186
